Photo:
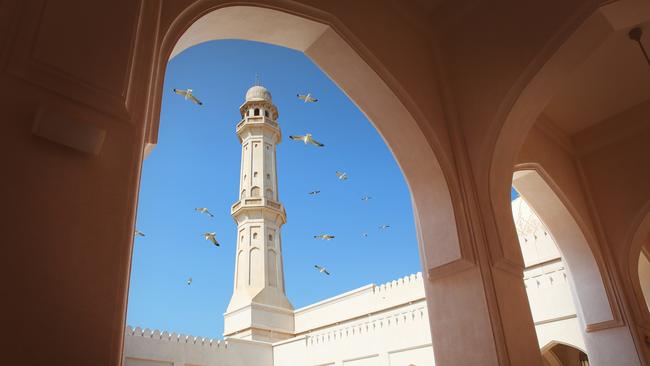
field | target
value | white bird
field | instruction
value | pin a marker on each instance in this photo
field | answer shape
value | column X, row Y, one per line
column 383, row 227
column 212, row 237
column 138, row 233
column 365, row 235
column 187, row 93
column 189, row 281
column 321, row 269
column 324, row 237
column 203, row 210
column 307, row 98
column 313, row 193
column 366, row 198
column 307, row 139
column 342, row 175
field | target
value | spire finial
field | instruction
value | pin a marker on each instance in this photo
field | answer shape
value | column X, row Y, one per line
column 257, row 79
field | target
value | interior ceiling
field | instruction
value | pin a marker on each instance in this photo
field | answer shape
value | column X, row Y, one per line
column 613, row 79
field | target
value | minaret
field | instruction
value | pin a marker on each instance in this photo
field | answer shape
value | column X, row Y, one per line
column 259, row 308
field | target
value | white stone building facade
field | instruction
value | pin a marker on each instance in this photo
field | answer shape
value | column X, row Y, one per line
column 384, row 325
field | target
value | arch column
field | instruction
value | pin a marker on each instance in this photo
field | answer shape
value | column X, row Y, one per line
column 478, row 306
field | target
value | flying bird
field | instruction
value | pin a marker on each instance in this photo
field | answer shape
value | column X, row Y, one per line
column 342, row 175
column 187, row 93
column 189, row 281
column 138, row 233
column 321, row 269
column 383, row 227
column 212, row 237
column 365, row 235
column 307, row 98
column 313, row 193
column 203, row 210
column 307, row 139
column 324, row 237
column 366, row 198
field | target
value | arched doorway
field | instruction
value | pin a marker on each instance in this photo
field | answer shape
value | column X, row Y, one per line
column 441, row 249
column 537, row 133
column 589, row 289
column 563, row 354
column 429, row 184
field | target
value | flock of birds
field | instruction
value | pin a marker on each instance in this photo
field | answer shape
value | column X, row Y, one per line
column 306, row 139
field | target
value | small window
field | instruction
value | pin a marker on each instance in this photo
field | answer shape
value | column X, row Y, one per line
column 254, row 174
column 266, row 113
column 257, row 111
column 270, row 237
column 268, row 176
column 254, row 235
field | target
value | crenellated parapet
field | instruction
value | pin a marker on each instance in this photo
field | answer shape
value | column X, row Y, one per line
column 175, row 348
column 369, row 299
column 404, row 283
column 373, row 325
column 156, row 334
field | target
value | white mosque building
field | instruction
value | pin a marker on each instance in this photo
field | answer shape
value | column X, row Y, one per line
column 385, row 325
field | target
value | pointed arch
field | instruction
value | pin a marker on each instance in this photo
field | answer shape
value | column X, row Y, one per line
column 361, row 76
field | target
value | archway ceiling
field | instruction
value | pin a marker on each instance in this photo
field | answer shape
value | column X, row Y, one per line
column 613, row 79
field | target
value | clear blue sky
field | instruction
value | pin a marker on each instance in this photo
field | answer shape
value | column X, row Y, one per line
column 196, row 164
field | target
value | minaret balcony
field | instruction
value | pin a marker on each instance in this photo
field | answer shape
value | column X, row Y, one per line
column 256, row 121
column 258, row 205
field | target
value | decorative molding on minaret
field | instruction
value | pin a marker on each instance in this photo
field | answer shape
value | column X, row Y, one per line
column 259, row 308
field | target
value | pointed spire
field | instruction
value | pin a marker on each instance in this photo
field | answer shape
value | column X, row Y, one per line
column 257, row 79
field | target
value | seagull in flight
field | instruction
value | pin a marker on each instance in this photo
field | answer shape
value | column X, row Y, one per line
column 313, row 193
column 138, row 233
column 307, row 98
column 187, row 93
column 324, row 237
column 189, row 281
column 212, row 237
column 321, row 269
column 203, row 210
column 342, row 175
column 366, row 198
column 307, row 139
column 383, row 227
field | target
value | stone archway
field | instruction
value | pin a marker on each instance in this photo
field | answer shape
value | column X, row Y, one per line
column 429, row 183
column 558, row 353
column 537, row 85
column 427, row 170
column 594, row 306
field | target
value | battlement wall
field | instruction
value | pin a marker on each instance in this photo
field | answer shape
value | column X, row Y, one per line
column 144, row 345
column 359, row 302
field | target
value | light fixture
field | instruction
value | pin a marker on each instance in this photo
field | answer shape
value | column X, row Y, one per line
column 635, row 35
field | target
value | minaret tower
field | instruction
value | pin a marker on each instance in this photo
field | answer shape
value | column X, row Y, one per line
column 259, row 308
